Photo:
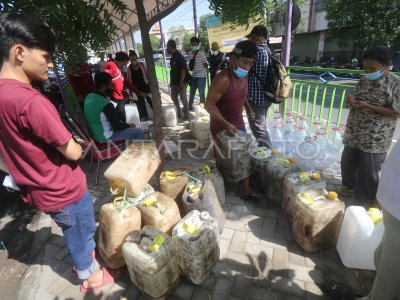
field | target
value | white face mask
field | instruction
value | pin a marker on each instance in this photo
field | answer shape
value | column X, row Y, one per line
column 214, row 52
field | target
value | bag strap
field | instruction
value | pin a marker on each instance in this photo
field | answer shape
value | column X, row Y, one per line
column 118, row 74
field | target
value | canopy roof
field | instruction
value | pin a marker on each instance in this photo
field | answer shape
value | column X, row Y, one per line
column 155, row 10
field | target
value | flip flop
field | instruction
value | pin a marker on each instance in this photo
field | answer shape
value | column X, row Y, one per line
column 109, row 277
column 73, row 269
column 347, row 192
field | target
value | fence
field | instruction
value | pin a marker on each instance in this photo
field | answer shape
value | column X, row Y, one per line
column 318, row 94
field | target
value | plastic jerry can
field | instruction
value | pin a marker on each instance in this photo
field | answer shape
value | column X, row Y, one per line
column 114, row 226
column 160, row 211
column 134, row 167
column 199, row 111
column 169, row 116
column 317, row 219
column 151, row 261
column 203, row 197
column 258, row 162
column 132, row 114
column 173, row 183
column 360, row 235
column 296, row 183
column 200, row 130
column 276, row 170
column 233, row 155
column 195, row 240
column 216, row 178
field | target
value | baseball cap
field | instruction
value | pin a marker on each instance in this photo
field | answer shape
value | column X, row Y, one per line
column 245, row 48
column 259, row 30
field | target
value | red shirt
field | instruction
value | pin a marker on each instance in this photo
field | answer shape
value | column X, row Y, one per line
column 83, row 83
column 119, row 81
column 31, row 130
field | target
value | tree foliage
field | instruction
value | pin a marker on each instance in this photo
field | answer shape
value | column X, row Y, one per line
column 139, row 49
column 186, row 41
column 363, row 21
column 155, row 42
column 79, row 25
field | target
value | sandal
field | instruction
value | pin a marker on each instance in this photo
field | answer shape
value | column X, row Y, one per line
column 347, row 192
column 109, row 277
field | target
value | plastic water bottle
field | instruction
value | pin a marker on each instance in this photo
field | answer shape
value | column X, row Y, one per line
column 300, row 130
column 307, row 152
column 324, row 148
column 288, row 128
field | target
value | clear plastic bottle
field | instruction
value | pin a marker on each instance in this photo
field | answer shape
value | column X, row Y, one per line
column 287, row 130
column 324, row 148
column 307, row 152
column 300, row 130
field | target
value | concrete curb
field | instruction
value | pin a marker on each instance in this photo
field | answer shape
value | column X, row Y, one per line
column 29, row 282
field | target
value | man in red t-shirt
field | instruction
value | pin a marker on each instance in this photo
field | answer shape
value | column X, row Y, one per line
column 114, row 69
column 38, row 150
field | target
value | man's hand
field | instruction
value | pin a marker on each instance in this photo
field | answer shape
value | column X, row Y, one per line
column 230, row 129
column 359, row 104
column 349, row 102
column 132, row 125
column 252, row 114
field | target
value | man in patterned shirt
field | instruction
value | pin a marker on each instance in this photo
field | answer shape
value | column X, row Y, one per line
column 374, row 109
column 257, row 77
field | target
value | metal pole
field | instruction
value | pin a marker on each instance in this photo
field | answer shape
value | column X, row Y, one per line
column 288, row 33
column 164, row 52
column 196, row 29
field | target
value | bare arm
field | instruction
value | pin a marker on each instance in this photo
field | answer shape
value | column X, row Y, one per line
column 249, row 109
column 71, row 150
column 218, row 87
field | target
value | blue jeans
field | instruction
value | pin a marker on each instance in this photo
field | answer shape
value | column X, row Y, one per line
column 127, row 134
column 77, row 223
column 200, row 84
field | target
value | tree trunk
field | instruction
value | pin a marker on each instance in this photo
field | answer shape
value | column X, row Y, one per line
column 153, row 82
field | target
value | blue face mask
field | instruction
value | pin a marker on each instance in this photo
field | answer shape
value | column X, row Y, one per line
column 240, row 73
column 194, row 48
column 374, row 76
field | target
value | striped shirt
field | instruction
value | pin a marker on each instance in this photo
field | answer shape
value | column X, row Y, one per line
column 256, row 90
column 199, row 61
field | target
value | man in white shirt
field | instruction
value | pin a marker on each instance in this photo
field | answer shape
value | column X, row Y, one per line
column 387, row 259
column 387, row 255
column 198, row 66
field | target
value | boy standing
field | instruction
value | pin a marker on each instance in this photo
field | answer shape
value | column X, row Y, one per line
column 38, row 150
column 374, row 109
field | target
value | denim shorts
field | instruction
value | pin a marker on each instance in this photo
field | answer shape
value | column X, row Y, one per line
column 78, row 225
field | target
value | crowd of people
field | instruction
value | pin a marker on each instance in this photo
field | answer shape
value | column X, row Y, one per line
column 42, row 156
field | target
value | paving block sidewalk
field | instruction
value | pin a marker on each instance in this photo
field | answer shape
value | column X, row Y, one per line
column 258, row 260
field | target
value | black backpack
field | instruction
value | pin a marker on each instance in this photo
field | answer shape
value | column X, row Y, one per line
column 277, row 82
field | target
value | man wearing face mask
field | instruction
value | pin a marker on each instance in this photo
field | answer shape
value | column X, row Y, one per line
column 198, row 66
column 216, row 60
column 102, row 119
column 228, row 95
column 257, row 77
column 374, row 109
